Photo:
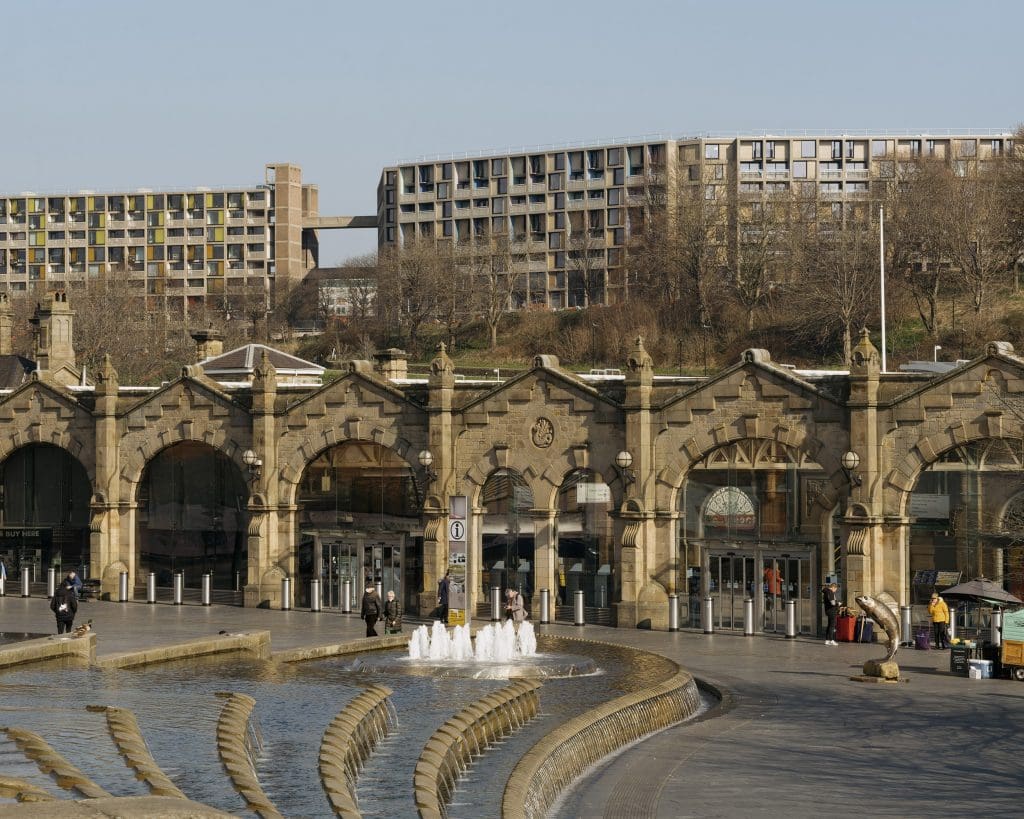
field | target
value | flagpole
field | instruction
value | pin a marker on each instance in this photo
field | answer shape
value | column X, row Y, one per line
column 881, row 260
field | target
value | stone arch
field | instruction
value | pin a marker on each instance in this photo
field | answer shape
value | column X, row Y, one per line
column 673, row 476
column 138, row 450
column 62, row 439
column 477, row 474
column 294, row 464
column 905, row 473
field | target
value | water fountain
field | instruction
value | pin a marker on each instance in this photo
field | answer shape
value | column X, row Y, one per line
column 494, row 643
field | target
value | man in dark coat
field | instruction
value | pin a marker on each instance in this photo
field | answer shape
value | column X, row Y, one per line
column 442, row 597
column 64, row 605
column 371, row 610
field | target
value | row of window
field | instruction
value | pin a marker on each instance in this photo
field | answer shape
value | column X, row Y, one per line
column 849, row 148
column 134, row 203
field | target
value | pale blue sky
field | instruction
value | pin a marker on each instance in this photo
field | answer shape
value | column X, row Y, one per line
column 109, row 95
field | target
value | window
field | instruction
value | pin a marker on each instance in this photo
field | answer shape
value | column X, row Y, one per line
column 769, row 148
column 800, row 170
column 497, row 205
column 878, row 147
column 931, row 147
column 996, row 147
column 615, row 196
column 857, row 187
column 755, row 150
column 777, row 168
column 595, row 194
column 560, row 220
column 915, row 147
column 710, row 192
column 711, row 151
column 750, row 187
column 497, row 167
column 831, row 187
column 837, row 149
column 618, row 177
column 968, row 147
column 753, row 168
column 850, row 146
column 555, row 181
column 559, row 162
column 615, row 156
column 808, row 148
column 559, row 201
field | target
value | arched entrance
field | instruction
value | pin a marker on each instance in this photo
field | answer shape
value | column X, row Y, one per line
column 192, row 518
column 359, row 519
column 508, row 539
column 749, row 528
column 967, row 513
column 44, row 512
column 585, row 543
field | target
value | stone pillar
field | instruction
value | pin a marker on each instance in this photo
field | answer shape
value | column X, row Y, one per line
column 391, row 363
column 441, row 443
column 105, row 545
column 53, row 324
column 266, row 566
column 545, row 558
column 641, row 597
column 864, row 541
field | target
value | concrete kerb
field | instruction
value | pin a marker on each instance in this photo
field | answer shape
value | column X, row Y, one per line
column 544, row 771
column 49, row 648
column 255, row 642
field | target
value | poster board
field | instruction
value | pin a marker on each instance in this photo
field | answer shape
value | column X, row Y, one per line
column 458, row 525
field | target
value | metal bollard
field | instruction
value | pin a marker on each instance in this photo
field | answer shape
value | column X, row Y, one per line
column 790, row 619
column 314, row 594
column 545, row 607
column 122, row 587
column 906, row 626
column 238, row 581
column 996, row 628
column 380, row 589
column 286, row 594
column 495, row 604
column 3, row 585
column 673, row 612
column 748, row 617
column 179, row 587
column 952, row 621
column 26, row 580
column 578, row 609
column 51, row 581
column 151, row 587
column 207, row 586
column 708, row 615
column 346, row 596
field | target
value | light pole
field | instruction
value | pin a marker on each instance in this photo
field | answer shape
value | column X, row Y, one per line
column 593, row 345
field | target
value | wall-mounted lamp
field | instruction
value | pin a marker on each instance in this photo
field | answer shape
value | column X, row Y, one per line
column 623, row 462
column 255, row 464
column 426, row 459
column 850, row 461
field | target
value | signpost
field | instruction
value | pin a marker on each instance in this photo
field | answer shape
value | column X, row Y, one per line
column 458, row 508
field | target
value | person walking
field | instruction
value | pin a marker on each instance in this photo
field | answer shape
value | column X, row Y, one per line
column 64, row 605
column 514, row 608
column 371, row 609
column 939, row 612
column 830, row 602
column 392, row 615
column 443, row 587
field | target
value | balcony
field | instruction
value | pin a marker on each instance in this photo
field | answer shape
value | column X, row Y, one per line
column 823, row 174
column 856, row 174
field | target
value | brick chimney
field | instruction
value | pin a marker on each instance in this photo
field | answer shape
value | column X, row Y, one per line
column 209, row 343
column 391, row 363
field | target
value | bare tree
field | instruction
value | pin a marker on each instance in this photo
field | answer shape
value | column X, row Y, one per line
column 838, row 281
column 410, row 287
column 677, row 247
column 916, row 246
column 494, row 284
column 757, row 251
column 585, row 265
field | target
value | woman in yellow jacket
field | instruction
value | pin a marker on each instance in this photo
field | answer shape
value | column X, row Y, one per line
column 939, row 611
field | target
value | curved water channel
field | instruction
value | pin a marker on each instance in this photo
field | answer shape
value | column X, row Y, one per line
column 177, row 710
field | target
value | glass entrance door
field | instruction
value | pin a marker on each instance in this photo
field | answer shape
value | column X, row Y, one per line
column 338, row 563
column 382, row 564
column 788, row 577
column 731, row 582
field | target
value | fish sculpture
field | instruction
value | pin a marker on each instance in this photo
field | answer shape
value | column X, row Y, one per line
column 886, row 619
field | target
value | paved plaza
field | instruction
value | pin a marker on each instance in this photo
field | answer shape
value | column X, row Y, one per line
column 794, row 736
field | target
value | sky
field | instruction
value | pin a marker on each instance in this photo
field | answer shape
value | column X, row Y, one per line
column 114, row 95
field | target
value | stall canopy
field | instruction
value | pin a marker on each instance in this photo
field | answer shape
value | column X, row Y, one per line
column 983, row 591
